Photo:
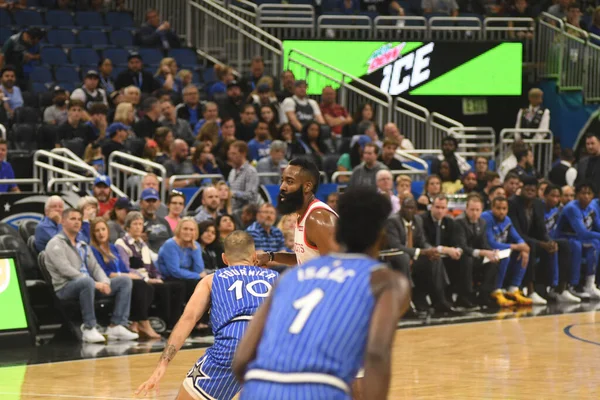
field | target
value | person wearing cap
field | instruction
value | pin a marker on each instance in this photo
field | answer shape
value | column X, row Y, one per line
column 10, row 94
column 117, row 133
column 299, row 109
column 231, row 106
column 102, row 192
column 21, row 50
column 147, row 125
column 90, row 91
column 116, row 218
column 263, row 95
column 136, row 75
column 56, row 114
column 157, row 229
column 180, row 127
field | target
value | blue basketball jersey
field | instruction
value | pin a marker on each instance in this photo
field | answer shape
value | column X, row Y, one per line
column 319, row 320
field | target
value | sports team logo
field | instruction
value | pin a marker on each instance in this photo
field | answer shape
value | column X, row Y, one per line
column 383, row 56
column 4, row 275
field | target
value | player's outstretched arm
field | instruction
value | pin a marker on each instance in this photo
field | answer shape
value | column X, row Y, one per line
column 246, row 350
column 194, row 310
column 392, row 291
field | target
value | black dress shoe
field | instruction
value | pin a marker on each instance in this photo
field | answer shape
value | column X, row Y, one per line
column 465, row 302
column 445, row 308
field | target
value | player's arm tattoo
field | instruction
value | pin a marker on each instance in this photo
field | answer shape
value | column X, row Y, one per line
column 169, row 353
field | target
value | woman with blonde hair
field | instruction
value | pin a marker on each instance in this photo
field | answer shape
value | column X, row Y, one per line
column 164, row 139
column 225, row 197
column 124, row 114
column 433, row 187
column 208, row 132
column 89, row 208
column 185, row 76
column 166, row 75
column 225, row 76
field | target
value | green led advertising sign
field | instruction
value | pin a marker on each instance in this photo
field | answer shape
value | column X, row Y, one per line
column 11, row 298
column 412, row 68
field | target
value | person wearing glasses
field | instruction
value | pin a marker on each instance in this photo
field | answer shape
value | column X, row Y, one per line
column 176, row 204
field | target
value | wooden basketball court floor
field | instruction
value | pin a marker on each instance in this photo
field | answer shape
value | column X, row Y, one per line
column 548, row 357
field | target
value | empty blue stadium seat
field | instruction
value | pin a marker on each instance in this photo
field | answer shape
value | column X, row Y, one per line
column 39, row 87
column 59, row 18
column 66, row 74
column 93, row 38
column 5, row 19
column 5, row 33
column 119, row 20
column 85, row 57
column 184, row 56
column 34, row 3
column 61, row 37
column 117, row 56
column 209, row 76
column 151, row 56
column 121, row 38
column 28, row 18
column 70, row 86
column 116, row 71
column 196, row 77
column 41, row 74
column 53, row 56
column 416, row 187
column 89, row 18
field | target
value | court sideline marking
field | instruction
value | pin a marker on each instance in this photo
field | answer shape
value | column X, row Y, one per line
column 65, row 396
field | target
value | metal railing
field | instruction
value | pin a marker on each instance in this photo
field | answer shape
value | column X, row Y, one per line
column 345, row 27
column 416, row 173
column 169, row 10
column 400, row 28
column 591, row 83
column 475, row 141
column 412, row 121
column 244, row 9
column 439, row 127
column 454, row 28
column 124, row 174
column 541, row 146
column 407, row 155
column 287, row 21
column 505, row 29
column 195, row 177
column 25, row 181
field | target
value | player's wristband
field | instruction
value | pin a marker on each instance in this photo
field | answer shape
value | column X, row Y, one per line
column 271, row 256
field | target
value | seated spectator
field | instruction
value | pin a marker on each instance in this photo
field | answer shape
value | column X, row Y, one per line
column 383, row 7
column 157, row 229
column 204, row 162
column 6, row 170
column 481, row 167
column 133, row 95
column 274, row 163
column 512, row 184
column 368, row 128
column 564, row 173
column 180, row 258
column 175, row 204
column 263, row 95
column 268, row 115
column 391, row 132
column 388, row 155
column 536, row 116
column 258, row 147
column 179, row 164
column 449, row 7
column 331, row 200
column 288, row 84
column 90, row 91
column 150, row 181
column 209, row 210
column 190, row 109
column 403, row 184
column 96, row 126
column 525, row 164
column 10, row 94
column 541, row 187
column 21, row 50
column 105, row 69
column 501, row 235
column 185, row 76
column 74, row 127
column 225, row 225
column 299, row 109
column 295, row 146
column 251, row 81
column 495, row 191
column 56, row 114
column 208, row 133
column 595, row 26
column 50, row 225
column 348, row 7
column 364, row 112
column 335, row 115
column 117, row 133
column 243, row 178
column 492, row 179
column 232, row 105
column 142, row 293
column 365, row 173
column 458, row 165
column 469, row 183
column 225, row 76
column 212, row 250
column 210, row 113
column 559, row 10
column 135, row 75
column 116, row 218
column 89, row 207
column 76, row 275
column 224, row 197
column 166, row 75
column 449, row 186
column 156, row 33
column 567, row 195
column 247, row 216
column 385, row 185
column 148, row 124
column 164, row 140
column 319, row 146
column 245, row 129
column 103, row 194
column 521, row 10
column 180, row 127
column 433, row 187
column 267, row 237
column 125, row 113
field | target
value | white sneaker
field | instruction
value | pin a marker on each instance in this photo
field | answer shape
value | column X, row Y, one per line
column 552, row 293
column 582, row 294
column 91, row 335
column 593, row 291
column 566, row 297
column 119, row 332
column 537, row 299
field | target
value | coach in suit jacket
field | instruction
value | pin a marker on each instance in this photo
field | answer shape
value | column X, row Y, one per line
column 406, row 233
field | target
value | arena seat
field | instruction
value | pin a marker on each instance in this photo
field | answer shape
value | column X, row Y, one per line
column 6, row 229
column 121, row 38
column 184, row 56
column 60, row 19
column 61, row 37
column 85, row 57
column 53, row 56
column 26, row 260
column 27, row 115
column 66, row 74
column 151, row 56
column 89, row 19
column 23, row 136
column 93, row 38
column 5, row 33
column 5, row 19
column 27, row 18
column 27, row 229
column 41, row 74
column 117, row 56
column 119, row 20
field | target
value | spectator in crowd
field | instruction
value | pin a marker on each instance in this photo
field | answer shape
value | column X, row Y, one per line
column 495, row 191
column 245, row 129
column 210, row 113
column 469, row 183
column 481, row 167
column 175, row 204
column 269, row 115
column 295, row 146
column 116, row 219
column 93, row 156
column 318, row 145
column 208, row 133
column 541, row 187
column 180, row 258
column 232, row 105
column 564, row 173
column 369, row 129
column 595, row 26
column 288, row 83
column 117, row 133
column 90, row 91
column 299, row 109
column 76, row 275
column 179, row 164
column 559, row 10
column 137, row 256
column 204, row 161
column 391, row 131
column 190, row 108
column 88, row 206
column 525, row 164
column 365, row 173
column 332, row 200
column 364, row 113
column 258, row 147
column 449, row 186
column 179, row 126
column 433, row 187
column 388, row 155
column 274, row 163
column 10, row 94
column 471, row 237
column 57, row 113
column 210, row 208
column 212, row 250
column 142, row 293
column 125, row 113
column 135, row 75
column 150, row 181
column 225, row 225
column 535, row 116
column 243, row 178
column 501, row 235
column 385, row 185
column 156, row 228
column 523, row 28
column 21, row 51
column 74, row 126
column 224, row 197
column 105, row 69
column 157, row 33
column 458, row 165
column 6, row 170
column 588, row 168
column 166, row 76
column 103, row 193
column 164, row 140
column 449, row 7
column 492, row 180
column 567, row 194
column 512, row 184
column 50, row 225
column 580, row 225
column 148, row 124
column 251, row 81
column 247, row 216
column 96, row 126
column 335, row 115
column 133, row 95
column 267, row 237
column 511, row 161
column 263, row 96
column 420, row 262
column 224, row 76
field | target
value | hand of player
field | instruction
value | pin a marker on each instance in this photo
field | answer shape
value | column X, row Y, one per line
column 524, row 259
column 454, row 253
column 262, row 258
column 151, row 384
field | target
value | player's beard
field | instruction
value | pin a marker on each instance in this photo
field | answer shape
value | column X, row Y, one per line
column 290, row 202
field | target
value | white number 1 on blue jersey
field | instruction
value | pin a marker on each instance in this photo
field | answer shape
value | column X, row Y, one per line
column 306, row 305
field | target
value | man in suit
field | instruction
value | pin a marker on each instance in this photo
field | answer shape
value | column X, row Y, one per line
column 420, row 261
column 136, row 76
column 588, row 169
column 470, row 237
